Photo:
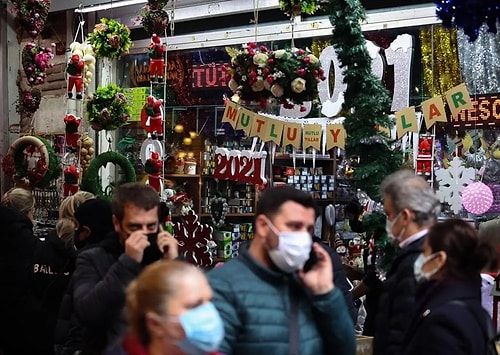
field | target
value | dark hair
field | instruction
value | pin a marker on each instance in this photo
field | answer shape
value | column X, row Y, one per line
column 466, row 254
column 271, row 200
column 95, row 214
column 134, row 193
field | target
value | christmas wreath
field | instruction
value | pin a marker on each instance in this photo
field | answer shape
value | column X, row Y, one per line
column 218, row 211
column 110, row 39
column 31, row 16
column 297, row 7
column 107, row 108
column 91, row 181
column 154, row 19
column 15, row 164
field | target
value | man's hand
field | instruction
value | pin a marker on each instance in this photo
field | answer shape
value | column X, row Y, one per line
column 135, row 245
column 319, row 280
column 167, row 245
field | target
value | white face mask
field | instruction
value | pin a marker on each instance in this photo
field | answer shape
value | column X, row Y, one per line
column 292, row 251
column 388, row 229
column 421, row 276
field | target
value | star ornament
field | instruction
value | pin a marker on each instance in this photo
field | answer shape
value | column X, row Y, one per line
column 477, row 198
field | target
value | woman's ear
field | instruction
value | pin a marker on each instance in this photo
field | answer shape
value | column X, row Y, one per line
column 154, row 325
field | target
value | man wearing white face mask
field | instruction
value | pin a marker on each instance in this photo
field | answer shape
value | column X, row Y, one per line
column 411, row 207
column 269, row 301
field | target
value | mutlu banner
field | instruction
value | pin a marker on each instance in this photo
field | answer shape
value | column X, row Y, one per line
column 317, row 133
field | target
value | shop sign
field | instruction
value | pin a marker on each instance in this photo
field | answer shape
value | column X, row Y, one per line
column 209, row 76
column 485, row 112
column 243, row 166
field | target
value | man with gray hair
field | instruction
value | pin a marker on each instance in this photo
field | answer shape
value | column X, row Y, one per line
column 411, row 207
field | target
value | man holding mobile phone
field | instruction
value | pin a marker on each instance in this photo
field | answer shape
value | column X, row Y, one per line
column 268, row 302
column 103, row 273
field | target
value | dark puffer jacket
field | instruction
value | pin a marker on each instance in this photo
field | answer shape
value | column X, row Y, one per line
column 20, row 311
column 449, row 319
column 254, row 301
column 397, row 301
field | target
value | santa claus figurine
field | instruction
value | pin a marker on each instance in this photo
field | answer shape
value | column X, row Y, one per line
column 75, row 77
column 156, row 52
column 152, row 116
column 71, row 129
column 154, row 167
column 70, row 185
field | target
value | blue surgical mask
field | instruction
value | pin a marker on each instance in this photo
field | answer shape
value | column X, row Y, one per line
column 203, row 328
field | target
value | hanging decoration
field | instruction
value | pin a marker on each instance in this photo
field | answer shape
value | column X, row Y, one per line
column 154, row 18
column 468, row 15
column 110, row 39
column 87, row 150
column 218, row 210
column 91, row 181
column 439, row 60
column 289, row 76
column 28, row 101
column 154, row 168
column 71, row 175
column 31, row 160
column 86, row 53
column 107, row 108
column 36, row 61
column 452, row 182
column 477, row 198
column 152, row 117
column 156, row 52
column 72, row 123
column 194, row 239
column 298, row 7
column 480, row 61
column 30, row 16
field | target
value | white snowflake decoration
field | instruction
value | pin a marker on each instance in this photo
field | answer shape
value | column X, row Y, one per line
column 452, row 181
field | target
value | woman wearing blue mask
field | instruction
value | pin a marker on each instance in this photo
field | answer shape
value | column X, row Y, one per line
column 449, row 318
column 170, row 312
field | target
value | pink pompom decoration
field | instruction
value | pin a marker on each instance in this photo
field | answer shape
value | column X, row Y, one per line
column 477, row 198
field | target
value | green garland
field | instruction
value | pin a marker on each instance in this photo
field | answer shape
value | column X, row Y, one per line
column 91, row 182
column 110, row 39
column 366, row 95
column 370, row 102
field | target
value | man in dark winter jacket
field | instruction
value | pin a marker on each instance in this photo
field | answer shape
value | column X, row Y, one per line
column 270, row 300
column 411, row 207
column 103, row 273
column 94, row 220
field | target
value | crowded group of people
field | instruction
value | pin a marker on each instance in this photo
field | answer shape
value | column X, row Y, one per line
column 110, row 280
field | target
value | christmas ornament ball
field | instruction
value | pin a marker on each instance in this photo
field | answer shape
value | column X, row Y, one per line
column 179, row 128
column 477, row 198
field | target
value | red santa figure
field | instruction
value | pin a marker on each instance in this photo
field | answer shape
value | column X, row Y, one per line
column 72, row 123
column 75, row 77
column 153, row 167
column 424, row 157
column 70, row 185
column 156, row 52
column 152, row 116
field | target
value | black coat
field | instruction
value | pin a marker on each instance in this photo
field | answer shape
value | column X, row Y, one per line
column 20, row 310
column 53, row 266
column 397, row 301
column 101, row 276
column 442, row 326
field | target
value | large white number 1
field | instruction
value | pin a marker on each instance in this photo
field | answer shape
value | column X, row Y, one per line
column 400, row 54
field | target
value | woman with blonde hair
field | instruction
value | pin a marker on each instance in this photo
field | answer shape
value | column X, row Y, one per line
column 170, row 312
column 21, row 200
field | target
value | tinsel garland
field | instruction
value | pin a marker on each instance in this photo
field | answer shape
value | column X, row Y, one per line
column 469, row 15
column 366, row 96
column 439, row 60
column 480, row 61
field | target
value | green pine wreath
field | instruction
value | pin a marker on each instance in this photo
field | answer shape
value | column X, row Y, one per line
column 91, row 182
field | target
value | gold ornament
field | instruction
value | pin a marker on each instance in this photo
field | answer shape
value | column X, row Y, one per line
column 187, row 141
column 179, row 128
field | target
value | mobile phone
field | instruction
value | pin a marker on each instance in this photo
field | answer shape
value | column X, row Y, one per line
column 152, row 238
column 313, row 259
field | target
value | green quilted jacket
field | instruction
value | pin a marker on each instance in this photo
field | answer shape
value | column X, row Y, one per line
column 253, row 302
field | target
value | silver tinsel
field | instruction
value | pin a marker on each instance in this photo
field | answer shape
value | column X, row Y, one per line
column 480, row 61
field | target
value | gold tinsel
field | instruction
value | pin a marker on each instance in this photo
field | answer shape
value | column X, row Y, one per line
column 318, row 46
column 440, row 63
